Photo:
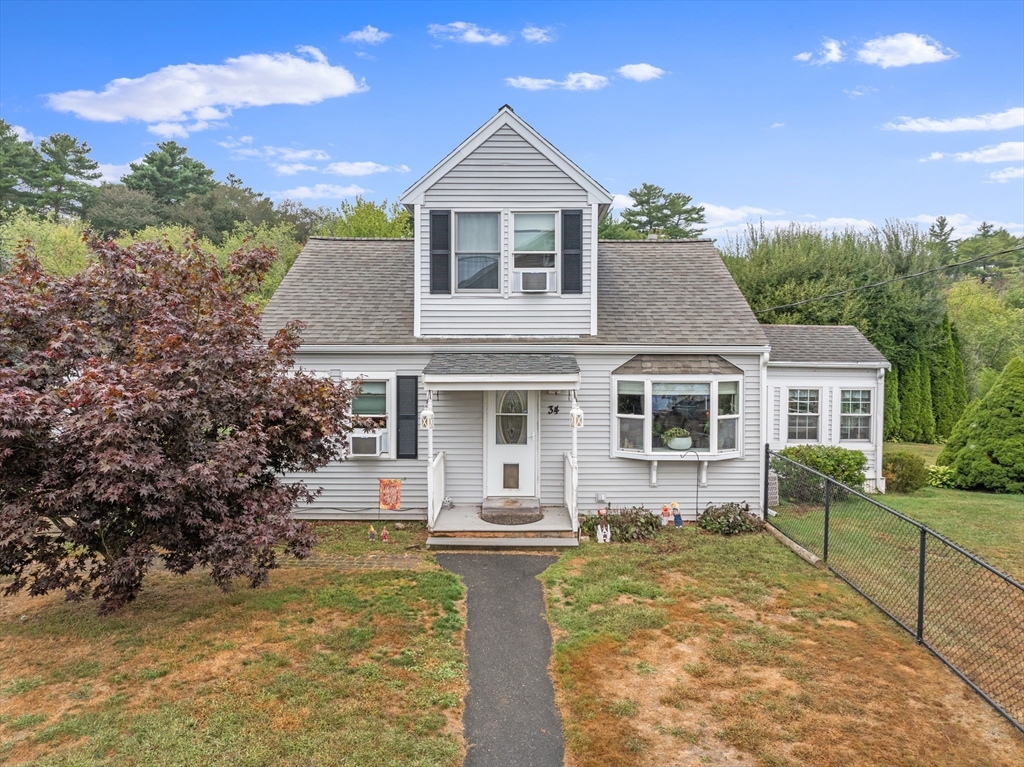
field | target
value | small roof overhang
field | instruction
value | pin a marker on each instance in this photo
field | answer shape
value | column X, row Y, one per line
column 492, row 372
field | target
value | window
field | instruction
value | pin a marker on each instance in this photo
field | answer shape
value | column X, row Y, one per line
column 477, row 250
column 534, row 247
column 373, row 402
column 665, row 418
column 855, row 414
column 511, row 415
column 803, row 415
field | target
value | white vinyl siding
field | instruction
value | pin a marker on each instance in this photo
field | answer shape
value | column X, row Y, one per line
column 505, row 174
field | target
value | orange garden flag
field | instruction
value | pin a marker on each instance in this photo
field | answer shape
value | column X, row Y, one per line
column 390, row 494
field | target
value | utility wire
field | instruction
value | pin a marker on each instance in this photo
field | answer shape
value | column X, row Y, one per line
column 968, row 262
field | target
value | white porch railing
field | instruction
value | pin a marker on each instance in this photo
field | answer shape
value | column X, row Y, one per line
column 572, row 481
column 435, row 489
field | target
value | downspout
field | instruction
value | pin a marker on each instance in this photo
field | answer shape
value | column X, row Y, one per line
column 765, row 416
column 879, row 430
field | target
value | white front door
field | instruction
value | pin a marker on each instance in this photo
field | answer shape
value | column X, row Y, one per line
column 511, row 439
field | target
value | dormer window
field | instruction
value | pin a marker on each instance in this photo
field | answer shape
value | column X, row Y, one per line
column 477, row 251
column 534, row 251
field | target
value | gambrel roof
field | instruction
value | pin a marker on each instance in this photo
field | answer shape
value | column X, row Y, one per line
column 506, row 120
column 650, row 293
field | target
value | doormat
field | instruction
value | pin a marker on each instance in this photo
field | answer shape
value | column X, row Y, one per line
column 510, row 517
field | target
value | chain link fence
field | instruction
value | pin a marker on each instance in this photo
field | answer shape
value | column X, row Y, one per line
column 965, row 611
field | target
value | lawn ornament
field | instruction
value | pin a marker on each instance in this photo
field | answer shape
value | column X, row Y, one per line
column 384, row 537
column 666, row 512
column 373, row 533
column 677, row 515
column 604, row 531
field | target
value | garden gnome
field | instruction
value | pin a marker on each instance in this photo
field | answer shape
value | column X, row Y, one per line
column 604, row 531
column 666, row 512
column 677, row 515
column 384, row 534
column 373, row 533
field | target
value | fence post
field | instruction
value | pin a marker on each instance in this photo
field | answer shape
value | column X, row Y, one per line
column 920, row 588
column 828, row 504
column 767, row 468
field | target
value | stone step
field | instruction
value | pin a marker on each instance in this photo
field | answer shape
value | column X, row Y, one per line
column 502, row 543
column 508, row 531
column 497, row 504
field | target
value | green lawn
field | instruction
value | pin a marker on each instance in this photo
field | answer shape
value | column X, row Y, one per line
column 695, row 648
column 928, row 452
column 317, row 667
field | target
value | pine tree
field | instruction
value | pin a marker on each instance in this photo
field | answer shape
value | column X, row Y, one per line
column 20, row 171
column 910, row 401
column 940, row 242
column 949, row 390
column 986, row 448
column 927, row 414
column 891, row 426
column 66, row 174
column 169, row 174
column 656, row 212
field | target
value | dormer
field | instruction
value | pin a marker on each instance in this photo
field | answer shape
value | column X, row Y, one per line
column 506, row 238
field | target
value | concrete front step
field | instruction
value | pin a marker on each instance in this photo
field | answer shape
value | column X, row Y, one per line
column 505, row 531
column 501, row 542
column 495, row 504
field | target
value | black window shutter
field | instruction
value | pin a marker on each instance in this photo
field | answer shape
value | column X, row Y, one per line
column 408, row 418
column 572, row 251
column 440, row 251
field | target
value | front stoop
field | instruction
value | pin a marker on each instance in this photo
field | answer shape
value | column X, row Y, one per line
column 467, row 527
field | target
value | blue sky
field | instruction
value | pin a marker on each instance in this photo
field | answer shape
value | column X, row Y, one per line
column 837, row 113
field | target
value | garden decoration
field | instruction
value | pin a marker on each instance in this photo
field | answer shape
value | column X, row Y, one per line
column 677, row 515
column 373, row 533
column 666, row 512
column 604, row 530
column 384, row 537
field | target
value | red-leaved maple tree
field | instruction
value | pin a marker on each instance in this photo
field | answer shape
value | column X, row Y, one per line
column 143, row 419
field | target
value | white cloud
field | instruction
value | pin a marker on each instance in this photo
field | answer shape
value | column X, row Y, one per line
column 621, row 201
column 320, row 192
column 640, row 72
column 233, row 143
column 720, row 215
column 368, row 35
column 203, row 93
column 538, row 34
column 574, row 81
column 111, row 172
column 723, row 221
column 777, row 125
column 23, row 134
column 464, row 32
column 932, row 156
column 290, row 169
column 966, row 224
column 831, row 52
column 1006, row 174
column 860, row 90
column 364, row 168
column 1011, row 118
column 285, row 153
column 903, row 49
column 1008, row 151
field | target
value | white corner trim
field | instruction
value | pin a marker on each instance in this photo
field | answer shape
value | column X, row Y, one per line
column 593, row 268
column 417, row 236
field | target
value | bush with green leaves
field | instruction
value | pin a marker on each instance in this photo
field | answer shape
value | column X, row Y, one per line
column 846, row 466
column 904, row 472
column 986, row 449
column 941, row 476
column 628, row 525
column 730, row 519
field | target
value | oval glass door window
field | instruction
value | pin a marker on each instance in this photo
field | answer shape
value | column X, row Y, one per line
column 511, row 412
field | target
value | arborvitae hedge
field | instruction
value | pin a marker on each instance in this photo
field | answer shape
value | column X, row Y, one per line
column 986, row 449
column 910, row 401
column 892, row 405
column 949, row 389
column 927, row 414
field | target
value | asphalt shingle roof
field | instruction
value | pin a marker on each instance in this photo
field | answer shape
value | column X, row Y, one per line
column 501, row 364
column 360, row 291
column 676, row 364
column 821, row 343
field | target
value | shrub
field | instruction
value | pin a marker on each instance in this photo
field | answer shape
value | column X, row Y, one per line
column 941, row 476
column 846, row 466
column 904, row 472
column 628, row 525
column 729, row 519
column 986, row 448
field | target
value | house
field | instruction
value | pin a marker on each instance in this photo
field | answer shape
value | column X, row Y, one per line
column 516, row 366
column 826, row 386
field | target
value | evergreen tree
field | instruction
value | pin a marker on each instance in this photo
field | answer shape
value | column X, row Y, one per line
column 66, row 175
column 891, row 425
column 169, row 174
column 612, row 228
column 949, row 390
column 940, row 242
column 20, row 171
column 986, row 448
column 927, row 414
column 655, row 211
column 910, row 401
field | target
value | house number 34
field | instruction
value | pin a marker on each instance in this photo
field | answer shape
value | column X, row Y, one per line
column 552, row 409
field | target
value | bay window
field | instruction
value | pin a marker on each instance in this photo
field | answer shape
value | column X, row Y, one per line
column 666, row 417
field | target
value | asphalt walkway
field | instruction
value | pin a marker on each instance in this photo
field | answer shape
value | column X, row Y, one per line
column 510, row 719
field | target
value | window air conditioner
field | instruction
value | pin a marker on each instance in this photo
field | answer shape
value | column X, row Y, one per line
column 536, row 282
column 368, row 444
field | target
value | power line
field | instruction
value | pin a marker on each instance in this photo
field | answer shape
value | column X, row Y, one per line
column 968, row 262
